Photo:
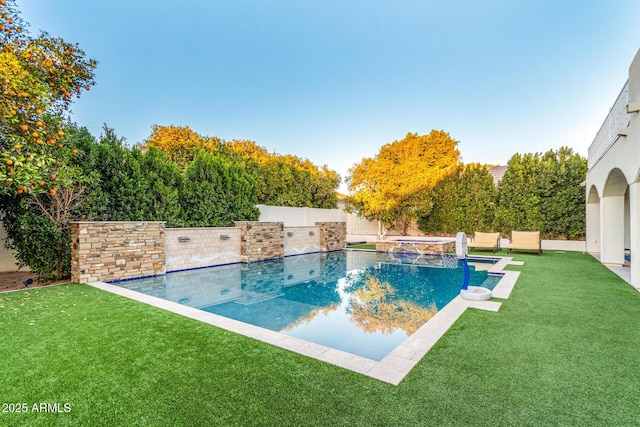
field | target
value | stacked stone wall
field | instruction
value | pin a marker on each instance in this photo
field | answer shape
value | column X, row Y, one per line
column 333, row 236
column 261, row 241
column 440, row 247
column 108, row 251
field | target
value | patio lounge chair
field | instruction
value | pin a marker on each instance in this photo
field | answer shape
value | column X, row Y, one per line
column 485, row 241
column 525, row 241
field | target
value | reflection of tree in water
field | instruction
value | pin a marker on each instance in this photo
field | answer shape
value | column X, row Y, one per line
column 319, row 299
column 375, row 307
column 313, row 293
column 409, row 282
column 311, row 315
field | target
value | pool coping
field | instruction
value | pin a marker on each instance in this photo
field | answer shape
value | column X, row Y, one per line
column 391, row 369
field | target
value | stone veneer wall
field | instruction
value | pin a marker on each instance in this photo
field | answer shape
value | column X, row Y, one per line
column 440, row 247
column 261, row 241
column 110, row 251
column 107, row 251
column 333, row 235
column 302, row 240
column 188, row 248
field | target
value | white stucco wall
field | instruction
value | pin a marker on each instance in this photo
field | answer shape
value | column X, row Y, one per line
column 613, row 190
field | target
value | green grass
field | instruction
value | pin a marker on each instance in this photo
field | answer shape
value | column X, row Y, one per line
column 563, row 350
column 363, row 246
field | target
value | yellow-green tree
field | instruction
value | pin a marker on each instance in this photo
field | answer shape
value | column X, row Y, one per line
column 282, row 180
column 394, row 187
column 179, row 142
column 39, row 76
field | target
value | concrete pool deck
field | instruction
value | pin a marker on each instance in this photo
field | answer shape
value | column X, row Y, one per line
column 392, row 369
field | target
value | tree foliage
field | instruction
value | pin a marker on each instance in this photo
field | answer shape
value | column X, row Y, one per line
column 38, row 78
column 281, row 180
column 543, row 192
column 462, row 201
column 179, row 142
column 217, row 192
column 118, row 183
column 395, row 187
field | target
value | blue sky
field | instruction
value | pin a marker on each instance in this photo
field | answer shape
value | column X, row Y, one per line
column 333, row 81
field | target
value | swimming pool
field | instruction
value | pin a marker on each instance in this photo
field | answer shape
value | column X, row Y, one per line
column 363, row 303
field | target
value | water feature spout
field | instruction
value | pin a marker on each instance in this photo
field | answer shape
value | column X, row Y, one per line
column 477, row 293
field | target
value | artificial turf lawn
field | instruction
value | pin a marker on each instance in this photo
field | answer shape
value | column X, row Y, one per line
column 562, row 350
column 363, row 246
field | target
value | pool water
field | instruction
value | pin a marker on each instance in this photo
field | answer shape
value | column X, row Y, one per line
column 364, row 303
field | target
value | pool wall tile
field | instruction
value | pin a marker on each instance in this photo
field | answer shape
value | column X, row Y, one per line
column 188, row 248
column 301, row 240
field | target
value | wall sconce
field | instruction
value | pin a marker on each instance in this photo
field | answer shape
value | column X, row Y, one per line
column 290, row 233
column 224, row 237
column 184, row 239
column 312, row 233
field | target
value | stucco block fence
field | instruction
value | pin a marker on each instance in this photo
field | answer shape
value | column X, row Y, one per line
column 110, row 251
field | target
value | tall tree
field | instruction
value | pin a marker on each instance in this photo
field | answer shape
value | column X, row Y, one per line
column 518, row 205
column 395, row 187
column 38, row 78
column 217, row 192
column 542, row 192
column 563, row 201
column 462, row 201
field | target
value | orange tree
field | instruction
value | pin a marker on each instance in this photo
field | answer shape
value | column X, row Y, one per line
column 39, row 76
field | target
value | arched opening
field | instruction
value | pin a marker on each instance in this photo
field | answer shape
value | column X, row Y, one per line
column 615, row 219
column 634, row 230
column 593, row 221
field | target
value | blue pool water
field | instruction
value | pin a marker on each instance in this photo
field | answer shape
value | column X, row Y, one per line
column 364, row 303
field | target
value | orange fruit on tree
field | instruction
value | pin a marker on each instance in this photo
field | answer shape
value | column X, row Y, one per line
column 38, row 111
column 38, row 141
column 35, row 134
column 9, row 162
column 74, row 152
column 13, row 112
column 53, row 191
column 24, row 127
column 60, row 133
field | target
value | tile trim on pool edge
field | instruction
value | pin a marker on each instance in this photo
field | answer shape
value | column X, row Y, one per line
column 392, row 369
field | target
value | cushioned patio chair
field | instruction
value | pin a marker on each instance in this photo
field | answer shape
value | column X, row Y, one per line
column 525, row 241
column 485, row 241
